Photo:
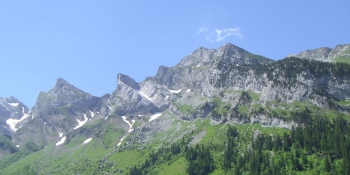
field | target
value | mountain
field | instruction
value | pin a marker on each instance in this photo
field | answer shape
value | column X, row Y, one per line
column 12, row 112
column 61, row 110
column 341, row 53
column 196, row 117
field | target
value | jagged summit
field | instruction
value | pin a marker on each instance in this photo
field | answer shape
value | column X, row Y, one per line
column 61, row 82
column 228, row 85
column 229, row 52
column 124, row 79
column 201, row 55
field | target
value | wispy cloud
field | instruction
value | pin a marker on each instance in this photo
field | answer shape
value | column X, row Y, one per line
column 202, row 30
column 226, row 32
column 219, row 34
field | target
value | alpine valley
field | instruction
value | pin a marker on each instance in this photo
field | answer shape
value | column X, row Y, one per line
column 218, row 111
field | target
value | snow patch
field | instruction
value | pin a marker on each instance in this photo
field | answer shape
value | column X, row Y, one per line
column 12, row 122
column 120, row 142
column 60, row 134
column 92, row 114
column 188, row 90
column 144, row 95
column 175, row 91
column 61, row 141
column 17, row 146
column 199, row 64
column 87, row 140
column 13, row 104
column 155, row 116
column 81, row 123
column 130, row 124
column 172, row 91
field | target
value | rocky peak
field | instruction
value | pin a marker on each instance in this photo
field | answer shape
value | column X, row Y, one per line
column 200, row 55
column 162, row 70
column 229, row 50
column 10, row 105
column 61, row 95
column 126, row 80
column 315, row 54
column 11, row 111
column 324, row 53
column 340, row 51
column 236, row 55
column 61, row 82
column 62, row 85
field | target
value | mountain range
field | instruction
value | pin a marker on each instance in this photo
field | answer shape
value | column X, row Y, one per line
column 194, row 102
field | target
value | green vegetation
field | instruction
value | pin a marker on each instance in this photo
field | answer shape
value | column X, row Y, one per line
column 7, row 145
column 184, row 108
column 320, row 147
column 343, row 59
column 344, row 103
column 18, row 154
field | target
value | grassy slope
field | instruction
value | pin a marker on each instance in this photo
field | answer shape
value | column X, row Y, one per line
column 57, row 158
column 342, row 60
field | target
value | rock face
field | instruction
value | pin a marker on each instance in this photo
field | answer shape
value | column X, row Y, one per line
column 207, row 72
column 209, row 83
column 56, row 112
column 11, row 113
column 324, row 53
column 340, row 51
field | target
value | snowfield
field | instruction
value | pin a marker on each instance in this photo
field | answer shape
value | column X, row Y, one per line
column 81, row 123
column 12, row 122
column 130, row 124
column 172, row 91
column 87, row 140
column 120, row 142
column 175, row 91
column 144, row 95
column 155, row 116
column 13, row 104
column 92, row 114
column 61, row 141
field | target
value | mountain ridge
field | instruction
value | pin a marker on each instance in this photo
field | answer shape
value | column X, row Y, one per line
column 225, row 86
column 338, row 53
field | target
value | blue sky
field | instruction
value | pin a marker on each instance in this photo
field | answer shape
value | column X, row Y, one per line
column 88, row 43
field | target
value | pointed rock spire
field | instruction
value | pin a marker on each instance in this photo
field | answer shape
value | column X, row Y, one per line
column 124, row 79
column 61, row 82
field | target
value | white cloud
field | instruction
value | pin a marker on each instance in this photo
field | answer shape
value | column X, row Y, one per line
column 226, row 32
column 202, row 30
column 219, row 34
column 208, row 38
